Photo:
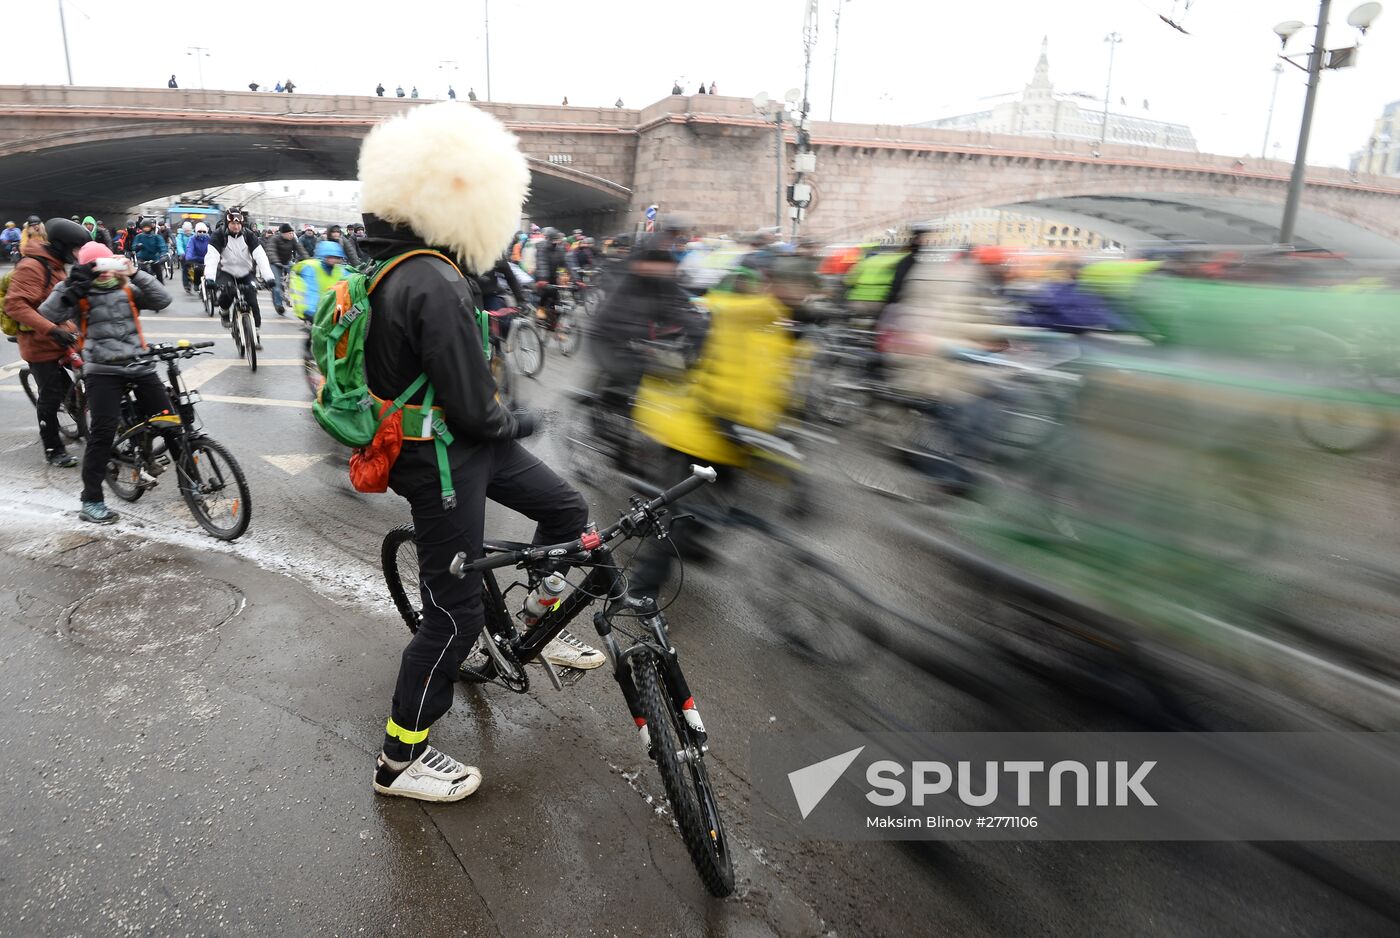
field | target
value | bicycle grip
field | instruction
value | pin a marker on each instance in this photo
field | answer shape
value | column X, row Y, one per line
column 461, row 566
column 699, row 475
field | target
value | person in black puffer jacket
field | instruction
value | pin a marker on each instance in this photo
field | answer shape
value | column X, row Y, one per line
column 284, row 251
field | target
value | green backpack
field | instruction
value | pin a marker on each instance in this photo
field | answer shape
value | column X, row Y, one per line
column 347, row 409
column 12, row 326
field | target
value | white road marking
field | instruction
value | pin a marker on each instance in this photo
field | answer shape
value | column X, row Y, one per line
column 221, row 335
column 295, row 463
column 11, row 369
column 255, row 401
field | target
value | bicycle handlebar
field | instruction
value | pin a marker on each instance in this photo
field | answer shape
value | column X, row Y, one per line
column 699, row 475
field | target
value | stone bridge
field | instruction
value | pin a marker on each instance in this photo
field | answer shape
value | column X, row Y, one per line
column 65, row 150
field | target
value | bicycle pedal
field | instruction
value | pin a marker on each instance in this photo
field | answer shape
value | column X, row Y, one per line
column 570, row 676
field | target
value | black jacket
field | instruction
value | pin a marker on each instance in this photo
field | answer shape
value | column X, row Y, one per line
column 423, row 320
column 284, row 251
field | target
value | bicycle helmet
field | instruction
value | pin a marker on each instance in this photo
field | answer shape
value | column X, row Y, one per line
column 201, row 228
column 65, row 237
column 9, row 224
column 186, row 227
column 327, row 249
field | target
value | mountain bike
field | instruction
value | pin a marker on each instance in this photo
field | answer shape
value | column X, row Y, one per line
column 210, row 479
column 245, row 336
column 647, row 669
column 72, row 413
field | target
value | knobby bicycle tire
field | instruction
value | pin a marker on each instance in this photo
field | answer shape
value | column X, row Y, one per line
column 687, row 784
column 396, row 553
column 398, row 559
column 222, row 463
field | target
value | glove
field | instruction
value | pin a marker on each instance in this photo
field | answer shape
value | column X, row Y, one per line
column 63, row 337
column 524, row 424
column 80, row 279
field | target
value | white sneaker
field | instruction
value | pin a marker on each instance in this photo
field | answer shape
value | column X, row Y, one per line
column 568, row 652
column 433, row 776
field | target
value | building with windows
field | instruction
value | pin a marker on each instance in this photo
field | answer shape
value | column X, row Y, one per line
column 1039, row 111
column 1381, row 155
column 1013, row 230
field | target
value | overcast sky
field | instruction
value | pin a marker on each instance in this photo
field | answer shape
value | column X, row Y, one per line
column 900, row 60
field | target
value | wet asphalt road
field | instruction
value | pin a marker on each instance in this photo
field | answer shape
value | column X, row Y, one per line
column 190, row 731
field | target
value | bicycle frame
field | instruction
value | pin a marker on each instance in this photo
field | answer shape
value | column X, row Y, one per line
column 603, row 580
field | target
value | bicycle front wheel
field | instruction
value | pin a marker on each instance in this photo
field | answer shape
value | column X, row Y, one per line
column 683, row 774
column 215, row 489
column 570, row 337
column 527, row 347
column 250, row 341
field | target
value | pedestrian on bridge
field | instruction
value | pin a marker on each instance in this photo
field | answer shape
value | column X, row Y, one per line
column 712, row 88
column 288, row 87
column 278, row 89
column 676, row 88
column 253, row 86
column 171, row 83
column 379, row 89
column 451, row 95
column 415, row 92
column 617, row 103
column 471, row 94
column 398, row 92
column 566, row 101
column 701, row 89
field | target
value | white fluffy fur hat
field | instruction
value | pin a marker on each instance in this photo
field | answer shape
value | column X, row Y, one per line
column 452, row 173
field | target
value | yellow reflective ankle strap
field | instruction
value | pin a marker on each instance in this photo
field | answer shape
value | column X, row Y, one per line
column 411, row 737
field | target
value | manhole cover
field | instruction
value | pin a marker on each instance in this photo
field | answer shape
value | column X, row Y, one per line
column 152, row 614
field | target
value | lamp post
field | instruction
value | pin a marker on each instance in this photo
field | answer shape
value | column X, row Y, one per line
column 762, row 104
column 1269, row 124
column 1362, row 17
column 835, row 55
column 63, row 25
column 200, row 53
column 486, row 13
column 1112, row 39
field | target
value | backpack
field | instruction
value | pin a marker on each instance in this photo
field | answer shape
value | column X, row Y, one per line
column 8, row 325
column 347, row 409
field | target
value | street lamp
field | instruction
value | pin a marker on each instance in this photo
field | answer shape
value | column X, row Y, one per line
column 63, row 25
column 1112, row 39
column 200, row 53
column 772, row 110
column 1269, row 123
column 835, row 54
column 1361, row 18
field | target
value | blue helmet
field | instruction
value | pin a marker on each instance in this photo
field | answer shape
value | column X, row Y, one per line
column 325, row 249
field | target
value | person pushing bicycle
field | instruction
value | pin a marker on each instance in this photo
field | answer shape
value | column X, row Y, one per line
column 448, row 181
column 103, row 294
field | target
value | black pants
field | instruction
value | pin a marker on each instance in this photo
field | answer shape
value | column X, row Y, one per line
column 53, row 383
column 509, row 475
column 104, row 400
column 223, row 293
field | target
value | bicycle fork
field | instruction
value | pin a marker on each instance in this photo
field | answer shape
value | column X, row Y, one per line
column 682, row 701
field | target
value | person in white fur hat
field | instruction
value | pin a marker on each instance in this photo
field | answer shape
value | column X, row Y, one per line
column 449, row 178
